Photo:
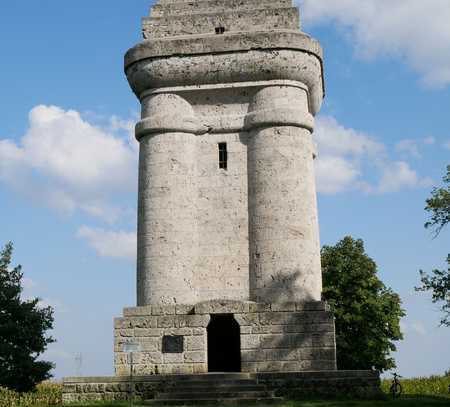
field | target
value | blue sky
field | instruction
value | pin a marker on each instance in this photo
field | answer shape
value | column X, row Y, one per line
column 68, row 158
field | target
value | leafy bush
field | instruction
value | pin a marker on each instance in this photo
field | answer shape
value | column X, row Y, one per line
column 46, row 394
column 367, row 312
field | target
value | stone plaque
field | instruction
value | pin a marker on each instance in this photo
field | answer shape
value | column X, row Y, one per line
column 131, row 347
column 173, row 344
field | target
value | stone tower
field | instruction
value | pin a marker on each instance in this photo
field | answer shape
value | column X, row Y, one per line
column 228, row 237
column 228, row 270
column 236, row 80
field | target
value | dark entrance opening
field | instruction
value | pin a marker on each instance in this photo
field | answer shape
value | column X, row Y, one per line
column 224, row 344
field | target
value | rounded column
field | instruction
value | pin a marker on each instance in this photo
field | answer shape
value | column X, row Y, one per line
column 167, row 230
column 283, row 221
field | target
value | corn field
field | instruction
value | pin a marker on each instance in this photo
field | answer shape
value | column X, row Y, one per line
column 423, row 386
column 46, row 394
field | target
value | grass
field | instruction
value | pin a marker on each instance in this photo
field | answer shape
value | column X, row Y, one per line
column 410, row 401
column 419, row 392
column 413, row 401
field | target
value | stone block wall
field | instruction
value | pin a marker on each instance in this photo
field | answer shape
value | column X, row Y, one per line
column 292, row 337
column 92, row 389
column 361, row 384
column 169, row 21
column 147, row 326
column 288, row 337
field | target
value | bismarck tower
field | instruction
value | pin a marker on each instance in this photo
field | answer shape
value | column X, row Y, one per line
column 227, row 219
column 228, row 268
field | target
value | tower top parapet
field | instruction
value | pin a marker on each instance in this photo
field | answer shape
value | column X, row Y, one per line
column 184, row 18
column 210, row 42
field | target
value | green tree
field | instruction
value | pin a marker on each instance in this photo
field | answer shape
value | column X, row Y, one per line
column 438, row 282
column 367, row 312
column 439, row 206
column 23, row 326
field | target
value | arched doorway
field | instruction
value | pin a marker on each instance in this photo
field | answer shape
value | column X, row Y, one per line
column 224, row 344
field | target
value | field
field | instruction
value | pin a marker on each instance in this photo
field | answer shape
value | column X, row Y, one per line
column 421, row 392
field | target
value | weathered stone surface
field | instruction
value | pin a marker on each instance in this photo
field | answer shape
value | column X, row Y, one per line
column 249, row 319
column 213, row 6
column 250, row 342
column 221, row 307
column 195, row 357
column 298, row 335
column 232, row 20
column 193, row 321
column 148, row 332
column 259, row 307
column 166, row 322
column 137, row 311
column 196, row 343
column 143, row 322
column 286, row 306
column 203, row 230
column 184, row 309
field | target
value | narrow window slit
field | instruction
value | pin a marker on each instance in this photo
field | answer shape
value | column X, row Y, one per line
column 220, row 30
column 223, row 156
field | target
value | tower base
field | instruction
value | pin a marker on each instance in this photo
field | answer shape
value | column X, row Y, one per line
column 226, row 336
column 221, row 349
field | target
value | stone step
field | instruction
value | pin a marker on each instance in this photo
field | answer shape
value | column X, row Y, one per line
column 214, row 395
column 211, row 377
column 233, row 386
column 229, row 385
column 231, row 21
column 215, row 401
column 214, row 6
column 205, row 388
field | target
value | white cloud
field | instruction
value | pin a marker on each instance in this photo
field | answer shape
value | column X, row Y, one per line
column 335, row 174
column 334, row 138
column 417, row 31
column 70, row 164
column 338, row 166
column 348, row 158
column 106, row 243
column 429, row 140
column 398, row 175
column 409, row 147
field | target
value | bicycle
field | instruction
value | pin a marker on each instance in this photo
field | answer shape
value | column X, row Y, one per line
column 396, row 388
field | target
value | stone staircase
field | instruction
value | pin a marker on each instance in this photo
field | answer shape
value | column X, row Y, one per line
column 211, row 389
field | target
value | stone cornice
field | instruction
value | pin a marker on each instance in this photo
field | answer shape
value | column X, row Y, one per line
column 253, row 64
column 232, row 42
